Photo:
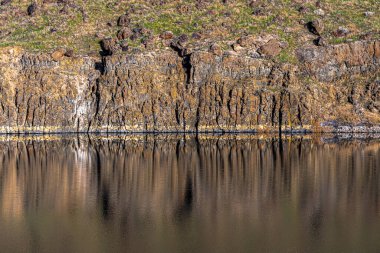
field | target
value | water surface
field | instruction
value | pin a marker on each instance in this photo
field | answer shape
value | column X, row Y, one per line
column 175, row 193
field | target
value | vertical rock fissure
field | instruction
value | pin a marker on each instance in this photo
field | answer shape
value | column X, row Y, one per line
column 329, row 89
column 100, row 67
column 186, row 64
column 187, row 67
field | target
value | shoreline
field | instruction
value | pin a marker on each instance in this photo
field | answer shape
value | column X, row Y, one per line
column 324, row 128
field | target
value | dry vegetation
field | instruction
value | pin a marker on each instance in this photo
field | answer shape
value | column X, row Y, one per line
column 80, row 25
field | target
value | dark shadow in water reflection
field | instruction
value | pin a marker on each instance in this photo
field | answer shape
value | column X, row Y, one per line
column 186, row 206
column 105, row 204
column 316, row 221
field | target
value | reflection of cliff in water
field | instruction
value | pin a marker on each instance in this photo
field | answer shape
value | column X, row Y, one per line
column 170, row 179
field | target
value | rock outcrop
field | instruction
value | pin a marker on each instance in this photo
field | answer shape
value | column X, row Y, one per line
column 333, row 88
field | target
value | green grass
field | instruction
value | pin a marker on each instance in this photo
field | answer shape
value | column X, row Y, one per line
column 215, row 20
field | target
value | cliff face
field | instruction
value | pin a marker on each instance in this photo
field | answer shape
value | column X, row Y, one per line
column 40, row 95
column 335, row 88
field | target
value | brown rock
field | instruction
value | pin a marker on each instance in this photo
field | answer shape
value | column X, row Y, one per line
column 223, row 93
column 366, row 36
column 216, row 49
column 377, row 49
column 183, row 38
column 99, row 35
column 271, row 49
column 183, row 9
column 108, row 45
column 145, row 32
column 124, row 33
column 321, row 42
column 196, row 36
column 124, row 46
column 166, row 43
column 303, row 9
column 254, row 3
column 138, row 33
column 148, row 42
column 167, row 35
column 341, row 32
column 246, row 41
column 124, row 20
column 5, row 2
column 85, row 16
column 58, row 54
column 259, row 11
column 69, row 53
column 236, row 47
column 65, row 10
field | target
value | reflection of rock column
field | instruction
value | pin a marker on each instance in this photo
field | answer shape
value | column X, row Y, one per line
column 82, row 174
column 74, row 176
column 11, row 199
column 165, row 178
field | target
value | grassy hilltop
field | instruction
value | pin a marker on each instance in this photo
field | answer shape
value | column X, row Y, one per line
column 81, row 25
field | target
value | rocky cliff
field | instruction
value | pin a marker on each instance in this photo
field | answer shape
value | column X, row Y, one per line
column 330, row 88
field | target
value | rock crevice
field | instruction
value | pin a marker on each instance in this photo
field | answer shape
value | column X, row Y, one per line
column 332, row 89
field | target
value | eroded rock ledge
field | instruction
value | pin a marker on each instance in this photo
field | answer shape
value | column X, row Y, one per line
column 330, row 89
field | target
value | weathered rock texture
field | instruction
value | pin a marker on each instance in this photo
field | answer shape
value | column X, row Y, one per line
column 334, row 88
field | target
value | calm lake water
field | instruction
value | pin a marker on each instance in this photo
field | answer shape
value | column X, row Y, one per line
column 175, row 193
